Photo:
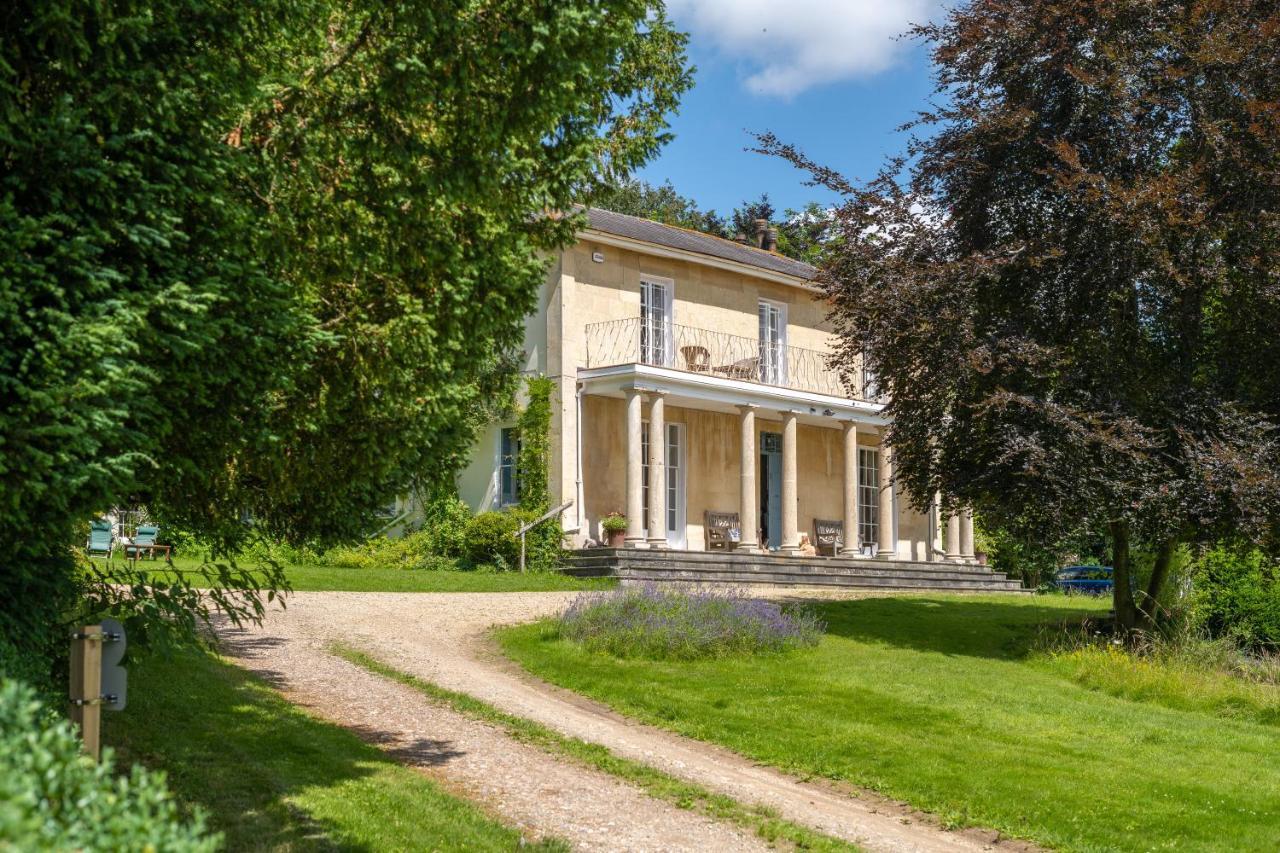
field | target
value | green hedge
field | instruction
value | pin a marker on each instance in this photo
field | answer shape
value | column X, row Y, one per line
column 52, row 797
column 1237, row 595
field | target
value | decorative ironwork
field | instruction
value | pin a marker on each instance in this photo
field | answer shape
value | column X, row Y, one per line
column 631, row 341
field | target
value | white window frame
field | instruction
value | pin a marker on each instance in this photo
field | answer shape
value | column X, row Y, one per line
column 500, row 497
column 869, row 496
column 676, row 480
column 781, row 309
column 668, row 287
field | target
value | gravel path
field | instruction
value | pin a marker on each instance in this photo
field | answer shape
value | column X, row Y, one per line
column 442, row 638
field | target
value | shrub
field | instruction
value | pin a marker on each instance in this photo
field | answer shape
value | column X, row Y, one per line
column 649, row 621
column 414, row 551
column 1237, row 595
column 444, row 524
column 52, row 797
column 491, row 540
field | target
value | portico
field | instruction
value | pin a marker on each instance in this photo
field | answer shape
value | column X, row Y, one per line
column 778, row 459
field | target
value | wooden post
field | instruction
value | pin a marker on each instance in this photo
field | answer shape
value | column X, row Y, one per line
column 86, row 686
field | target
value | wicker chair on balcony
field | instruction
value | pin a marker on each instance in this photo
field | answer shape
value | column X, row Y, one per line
column 697, row 359
column 746, row 368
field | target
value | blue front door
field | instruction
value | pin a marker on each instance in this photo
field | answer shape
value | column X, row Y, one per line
column 771, row 489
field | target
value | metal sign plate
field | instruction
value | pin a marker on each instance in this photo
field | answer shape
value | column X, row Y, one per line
column 115, row 679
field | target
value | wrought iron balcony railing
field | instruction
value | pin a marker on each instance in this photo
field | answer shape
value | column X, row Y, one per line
column 634, row 341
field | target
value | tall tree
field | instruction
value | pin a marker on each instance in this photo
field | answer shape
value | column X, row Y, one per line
column 1070, row 286
column 270, row 256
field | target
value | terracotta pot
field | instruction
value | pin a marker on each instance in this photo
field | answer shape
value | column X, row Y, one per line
column 617, row 538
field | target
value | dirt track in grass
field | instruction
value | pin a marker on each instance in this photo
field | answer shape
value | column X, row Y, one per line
column 442, row 638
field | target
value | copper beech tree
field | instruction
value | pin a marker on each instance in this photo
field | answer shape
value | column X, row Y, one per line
column 1070, row 283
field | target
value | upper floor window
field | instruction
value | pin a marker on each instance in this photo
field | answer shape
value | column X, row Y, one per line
column 773, row 342
column 870, row 382
column 655, row 321
column 508, row 475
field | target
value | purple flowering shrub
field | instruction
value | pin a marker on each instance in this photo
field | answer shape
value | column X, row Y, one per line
column 654, row 622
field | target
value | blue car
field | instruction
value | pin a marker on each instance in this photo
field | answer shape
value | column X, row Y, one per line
column 1089, row 580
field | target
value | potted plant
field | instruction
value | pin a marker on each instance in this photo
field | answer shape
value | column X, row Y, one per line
column 614, row 526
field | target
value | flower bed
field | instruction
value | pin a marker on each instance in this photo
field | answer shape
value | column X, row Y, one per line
column 653, row 622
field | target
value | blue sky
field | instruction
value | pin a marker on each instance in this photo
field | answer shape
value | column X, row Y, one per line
column 826, row 75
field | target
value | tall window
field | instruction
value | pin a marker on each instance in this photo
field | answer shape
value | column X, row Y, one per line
column 773, row 333
column 655, row 322
column 673, row 474
column 868, row 495
column 509, row 480
column 870, row 382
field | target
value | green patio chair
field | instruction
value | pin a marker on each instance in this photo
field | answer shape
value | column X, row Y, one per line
column 145, row 535
column 101, row 540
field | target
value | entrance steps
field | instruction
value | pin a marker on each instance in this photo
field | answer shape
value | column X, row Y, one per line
column 736, row 569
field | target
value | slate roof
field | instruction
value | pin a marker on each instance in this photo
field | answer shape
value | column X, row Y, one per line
column 621, row 225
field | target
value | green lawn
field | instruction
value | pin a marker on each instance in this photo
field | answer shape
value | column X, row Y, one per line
column 305, row 578
column 273, row 777
column 940, row 702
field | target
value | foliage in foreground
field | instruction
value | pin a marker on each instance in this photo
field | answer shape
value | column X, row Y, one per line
column 53, row 797
column 650, row 621
column 1067, row 283
column 287, row 281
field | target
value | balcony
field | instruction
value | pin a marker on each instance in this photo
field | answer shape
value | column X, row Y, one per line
column 633, row 341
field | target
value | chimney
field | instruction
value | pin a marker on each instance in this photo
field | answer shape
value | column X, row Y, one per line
column 762, row 228
column 771, row 240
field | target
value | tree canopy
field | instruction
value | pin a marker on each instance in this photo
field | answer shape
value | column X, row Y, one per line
column 1069, row 284
column 270, row 259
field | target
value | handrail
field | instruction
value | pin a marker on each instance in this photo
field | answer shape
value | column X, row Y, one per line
column 693, row 350
column 525, row 528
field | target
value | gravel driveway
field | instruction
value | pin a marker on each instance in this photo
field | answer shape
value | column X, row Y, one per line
column 442, row 638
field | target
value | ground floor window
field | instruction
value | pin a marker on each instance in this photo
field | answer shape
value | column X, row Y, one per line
column 675, row 465
column 509, row 481
column 868, row 495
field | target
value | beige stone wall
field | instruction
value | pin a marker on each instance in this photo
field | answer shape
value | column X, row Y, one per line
column 712, row 452
column 703, row 297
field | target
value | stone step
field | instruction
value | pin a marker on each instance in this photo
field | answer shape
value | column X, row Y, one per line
column 884, row 568
column 837, row 582
column 731, row 568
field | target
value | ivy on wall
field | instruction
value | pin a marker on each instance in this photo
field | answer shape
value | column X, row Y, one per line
column 534, row 459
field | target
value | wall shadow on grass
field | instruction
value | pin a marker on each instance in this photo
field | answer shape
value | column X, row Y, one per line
column 231, row 745
column 952, row 625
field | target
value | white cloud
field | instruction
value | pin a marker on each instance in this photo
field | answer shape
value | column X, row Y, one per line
column 790, row 45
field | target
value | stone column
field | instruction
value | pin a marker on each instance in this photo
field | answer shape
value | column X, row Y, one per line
column 935, row 528
column 748, row 511
column 953, row 537
column 635, row 469
column 657, row 470
column 966, row 535
column 790, row 508
column 888, row 545
column 852, row 543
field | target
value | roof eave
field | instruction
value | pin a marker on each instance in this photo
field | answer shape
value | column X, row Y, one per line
column 659, row 250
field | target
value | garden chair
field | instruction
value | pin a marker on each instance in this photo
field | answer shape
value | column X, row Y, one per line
column 101, row 539
column 722, row 530
column 828, row 537
column 145, row 535
column 697, row 359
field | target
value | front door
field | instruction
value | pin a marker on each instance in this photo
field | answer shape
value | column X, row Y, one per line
column 771, row 489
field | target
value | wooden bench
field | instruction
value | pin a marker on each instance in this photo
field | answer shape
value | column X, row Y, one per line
column 828, row 537
column 722, row 529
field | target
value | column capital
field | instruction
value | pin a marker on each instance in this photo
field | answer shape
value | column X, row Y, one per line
column 747, row 407
column 633, row 390
column 849, row 425
column 791, row 412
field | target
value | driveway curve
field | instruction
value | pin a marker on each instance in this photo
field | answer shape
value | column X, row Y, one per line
column 443, row 638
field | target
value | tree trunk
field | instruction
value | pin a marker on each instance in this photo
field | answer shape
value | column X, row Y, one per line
column 1150, row 603
column 1122, row 569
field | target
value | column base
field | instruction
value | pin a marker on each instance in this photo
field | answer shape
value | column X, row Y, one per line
column 751, row 548
column 886, row 555
column 633, row 543
column 789, row 550
column 658, row 545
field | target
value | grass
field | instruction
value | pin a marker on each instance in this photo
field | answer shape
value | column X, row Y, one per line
column 942, row 701
column 272, row 777
column 686, row 795
column 313, row 578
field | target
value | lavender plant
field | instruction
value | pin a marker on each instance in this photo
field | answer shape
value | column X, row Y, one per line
column 655, row 622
